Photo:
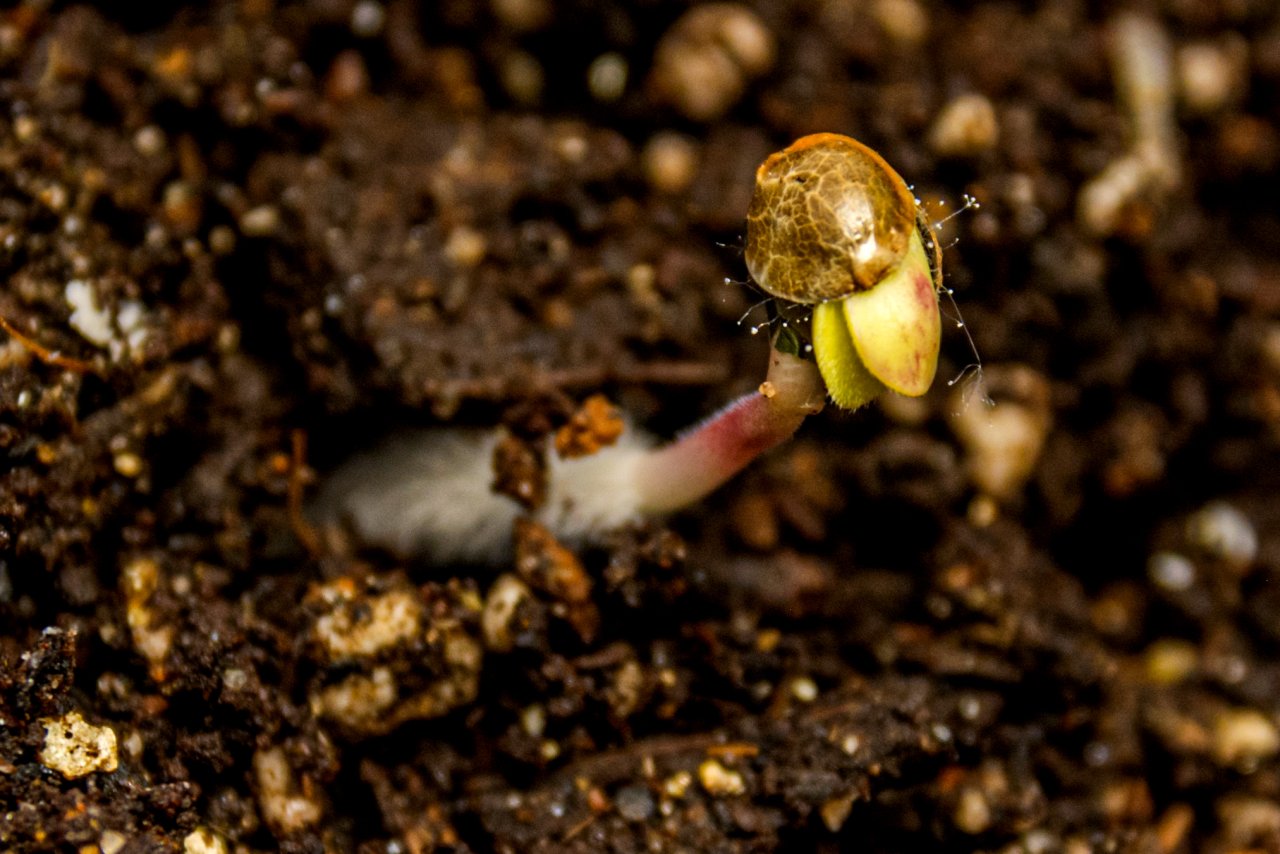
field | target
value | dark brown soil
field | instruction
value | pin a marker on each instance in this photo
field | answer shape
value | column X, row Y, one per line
column 316, row 222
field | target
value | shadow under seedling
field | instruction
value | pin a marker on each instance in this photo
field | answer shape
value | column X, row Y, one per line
column 831, row 226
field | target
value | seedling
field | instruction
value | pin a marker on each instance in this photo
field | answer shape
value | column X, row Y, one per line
column 833, row 233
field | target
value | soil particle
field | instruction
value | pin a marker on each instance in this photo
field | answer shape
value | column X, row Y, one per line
column 393, row 653
column 595, row 425
column 549, row 567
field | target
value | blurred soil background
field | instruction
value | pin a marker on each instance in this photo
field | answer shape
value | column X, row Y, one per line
column 242, row 240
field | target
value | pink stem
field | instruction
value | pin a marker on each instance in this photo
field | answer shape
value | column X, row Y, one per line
column 706, row 456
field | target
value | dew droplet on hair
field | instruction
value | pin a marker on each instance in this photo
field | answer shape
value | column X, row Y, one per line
column 970, row 204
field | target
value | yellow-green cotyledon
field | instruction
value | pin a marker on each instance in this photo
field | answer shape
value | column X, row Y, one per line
column 833, row 226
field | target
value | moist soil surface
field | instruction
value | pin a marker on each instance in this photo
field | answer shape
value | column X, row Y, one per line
column 242, row 241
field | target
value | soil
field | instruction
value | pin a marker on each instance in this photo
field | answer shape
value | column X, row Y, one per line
column 301, row 225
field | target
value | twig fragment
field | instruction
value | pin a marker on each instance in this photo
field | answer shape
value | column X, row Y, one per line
column 44, row 354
